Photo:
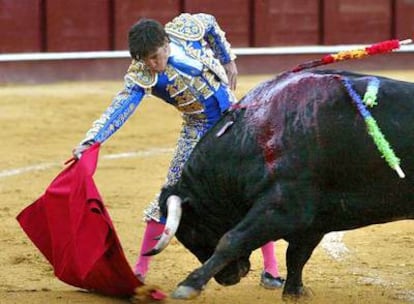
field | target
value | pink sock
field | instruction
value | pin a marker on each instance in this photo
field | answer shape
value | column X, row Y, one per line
column 269, row 259
column 152, row 230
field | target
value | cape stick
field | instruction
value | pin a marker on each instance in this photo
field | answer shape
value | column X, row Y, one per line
column 374, row 49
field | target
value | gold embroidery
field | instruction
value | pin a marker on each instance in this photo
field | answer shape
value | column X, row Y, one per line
column 170, row 72
column 198, row 83
column 141, row 75
column 206, row 92
column 185, row 27
column 172, row 90
column 212, row 63
column 190, row 117
column 176, row 87
column 211, row 79
column 185, row 99
column 192, row 107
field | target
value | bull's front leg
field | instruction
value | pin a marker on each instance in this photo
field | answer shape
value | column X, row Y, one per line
column 231, row 253
column 192, row 286
column 298, row 253
column 226, row 252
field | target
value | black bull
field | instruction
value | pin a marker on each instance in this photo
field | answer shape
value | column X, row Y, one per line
column 294, row 162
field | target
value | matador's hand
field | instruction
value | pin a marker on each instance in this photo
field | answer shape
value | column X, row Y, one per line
column 77, row 151
column 231, row 70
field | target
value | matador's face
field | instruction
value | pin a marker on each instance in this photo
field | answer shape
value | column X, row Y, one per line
column 157, row 61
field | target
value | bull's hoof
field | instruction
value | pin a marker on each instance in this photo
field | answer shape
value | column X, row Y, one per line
column 305, row 294
column 185, row 293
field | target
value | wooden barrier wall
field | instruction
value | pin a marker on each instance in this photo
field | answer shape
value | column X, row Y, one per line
column 94, row 25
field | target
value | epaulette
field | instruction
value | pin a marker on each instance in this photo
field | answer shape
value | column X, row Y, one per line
column 141, row 75
column 186, row 26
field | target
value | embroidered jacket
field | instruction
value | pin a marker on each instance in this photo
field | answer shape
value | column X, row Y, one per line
column 194, row 81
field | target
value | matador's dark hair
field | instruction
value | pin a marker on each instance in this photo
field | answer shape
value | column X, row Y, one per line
column 145, row 37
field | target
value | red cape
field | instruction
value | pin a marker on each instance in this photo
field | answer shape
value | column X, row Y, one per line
column 70, row 225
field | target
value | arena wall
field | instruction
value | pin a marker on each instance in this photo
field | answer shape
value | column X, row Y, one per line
column 59, row 26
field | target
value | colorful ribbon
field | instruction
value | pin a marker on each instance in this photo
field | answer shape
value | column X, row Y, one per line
column 373, row 130
column 370, row 95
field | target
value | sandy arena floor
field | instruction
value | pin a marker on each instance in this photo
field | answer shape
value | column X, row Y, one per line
column 40, row 124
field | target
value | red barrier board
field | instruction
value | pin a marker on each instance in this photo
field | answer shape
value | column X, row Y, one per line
column 353, row 22
column 78, row 25
column 286, row 22
column 127, row 12
column 233, row 16
column 404, row 25
column 20, row 23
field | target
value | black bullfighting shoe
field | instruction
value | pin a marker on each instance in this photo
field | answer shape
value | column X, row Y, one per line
column 270, row 282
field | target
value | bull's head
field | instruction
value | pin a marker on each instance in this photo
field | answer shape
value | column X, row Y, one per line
column 197, row 237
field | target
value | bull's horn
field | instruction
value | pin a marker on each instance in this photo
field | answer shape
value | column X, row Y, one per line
column 171, row 226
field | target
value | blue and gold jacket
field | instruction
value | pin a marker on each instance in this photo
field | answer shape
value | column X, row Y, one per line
column 194, row 81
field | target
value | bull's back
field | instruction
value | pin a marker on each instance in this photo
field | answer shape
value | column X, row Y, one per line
column 312, row 135
column 305, row 131
column 345, row 149
column 356, row 185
